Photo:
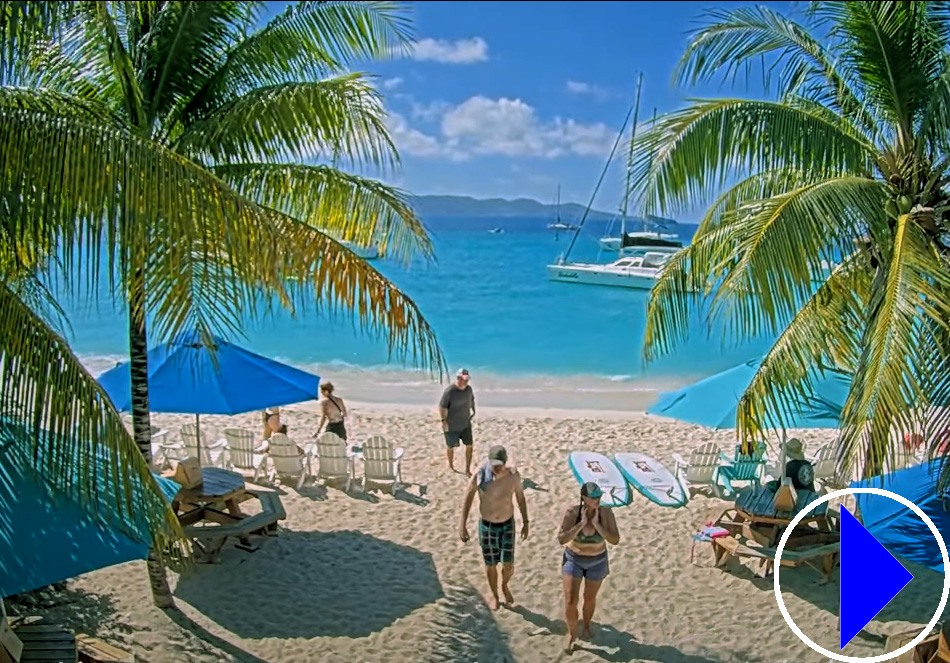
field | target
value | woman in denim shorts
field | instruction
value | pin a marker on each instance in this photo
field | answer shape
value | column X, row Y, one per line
column 586, row 530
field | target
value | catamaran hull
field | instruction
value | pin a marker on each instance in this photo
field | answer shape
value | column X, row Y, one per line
column 571, row 274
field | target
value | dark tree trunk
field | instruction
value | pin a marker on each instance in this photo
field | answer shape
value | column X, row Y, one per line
column 141, row 423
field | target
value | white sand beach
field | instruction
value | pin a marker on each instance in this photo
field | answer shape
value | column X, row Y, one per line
column 372, row 577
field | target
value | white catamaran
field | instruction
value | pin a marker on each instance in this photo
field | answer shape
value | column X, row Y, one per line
column 643, row 254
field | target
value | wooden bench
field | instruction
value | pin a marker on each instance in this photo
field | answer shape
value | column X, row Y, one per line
column 729, row 546
column 209, row 540
column 94, row 650
column 44, row 642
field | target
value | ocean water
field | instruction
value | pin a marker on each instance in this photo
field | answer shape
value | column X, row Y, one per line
column 527, row 341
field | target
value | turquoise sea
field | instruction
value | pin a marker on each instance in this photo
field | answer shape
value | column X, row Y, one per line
column 527, row 340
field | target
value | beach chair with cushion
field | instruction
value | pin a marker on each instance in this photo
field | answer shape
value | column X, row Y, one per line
column 241, row 445
column 334, row 460
column 742, row 467
column 287, row 458
column 381, row 462
column 213, row 455
column 701, row 471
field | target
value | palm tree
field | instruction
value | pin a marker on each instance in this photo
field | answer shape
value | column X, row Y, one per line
column 845, row 161
column 200, row 155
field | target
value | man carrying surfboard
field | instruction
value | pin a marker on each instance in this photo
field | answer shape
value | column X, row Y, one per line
column 496, row 484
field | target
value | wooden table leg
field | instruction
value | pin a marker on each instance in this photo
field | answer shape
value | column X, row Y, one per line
column 244, row 541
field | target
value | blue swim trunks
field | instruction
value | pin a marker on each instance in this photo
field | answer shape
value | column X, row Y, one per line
column 594, row 567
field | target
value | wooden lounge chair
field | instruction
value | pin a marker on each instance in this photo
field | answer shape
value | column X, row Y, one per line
column 701, row 471
column 381, row 462
column 334, row 460
column 241, row 445
column 742, row 467
column 212, row 455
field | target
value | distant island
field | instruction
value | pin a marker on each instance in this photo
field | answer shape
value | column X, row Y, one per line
column 466, row 206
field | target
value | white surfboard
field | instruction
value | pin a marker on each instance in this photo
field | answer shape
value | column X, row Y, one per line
column 590, row 466
column 652, row 479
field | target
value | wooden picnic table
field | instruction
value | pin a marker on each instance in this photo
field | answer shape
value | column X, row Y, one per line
column 755, row 519
column 217, row 500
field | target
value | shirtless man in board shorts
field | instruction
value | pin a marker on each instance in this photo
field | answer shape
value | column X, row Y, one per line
column 495, row 484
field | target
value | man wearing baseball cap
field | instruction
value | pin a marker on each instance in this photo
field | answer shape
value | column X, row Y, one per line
column 496, row 483
column 457, row 408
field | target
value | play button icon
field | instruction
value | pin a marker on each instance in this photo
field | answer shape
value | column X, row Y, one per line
column 870, row 576
column 863, row 558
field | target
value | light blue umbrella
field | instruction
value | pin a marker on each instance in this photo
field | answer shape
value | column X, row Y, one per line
column 183, row 378
column 898, row 528
column 46, row 536
column 713, row 401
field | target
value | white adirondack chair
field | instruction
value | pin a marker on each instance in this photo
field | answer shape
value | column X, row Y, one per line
column 334, row 460
column 241, row 445
column 160, row 443
column 381, row 462
column 825, row 467
column 701, row 470
column 214, row 455
column 287, row 458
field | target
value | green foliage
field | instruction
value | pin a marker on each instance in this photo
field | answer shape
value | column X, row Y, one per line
column 849, row 160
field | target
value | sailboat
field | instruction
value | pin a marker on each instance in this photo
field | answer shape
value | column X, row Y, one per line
column 560, row 225
column 639, row 271
column 638, row 242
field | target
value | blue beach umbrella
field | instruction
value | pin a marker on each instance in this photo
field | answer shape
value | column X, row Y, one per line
column 47, row 536
column 898, row 528
column 713, row 401
column 183, row 378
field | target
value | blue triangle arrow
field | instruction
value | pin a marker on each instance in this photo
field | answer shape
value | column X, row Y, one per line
column 870, row 577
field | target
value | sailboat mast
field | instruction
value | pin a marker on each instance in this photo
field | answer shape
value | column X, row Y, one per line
column 626, row 188
column 600, row 180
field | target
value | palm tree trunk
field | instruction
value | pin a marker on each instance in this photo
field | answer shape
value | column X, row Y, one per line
column 141, row 424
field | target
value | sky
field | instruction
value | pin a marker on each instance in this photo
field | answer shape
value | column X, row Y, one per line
column 512, row 99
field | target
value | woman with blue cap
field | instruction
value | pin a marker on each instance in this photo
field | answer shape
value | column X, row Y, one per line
column 586, row 530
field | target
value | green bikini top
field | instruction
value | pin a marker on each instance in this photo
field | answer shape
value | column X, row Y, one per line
column 587, row 539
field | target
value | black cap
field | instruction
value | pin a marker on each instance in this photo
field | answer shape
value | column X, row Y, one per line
column 497, row 455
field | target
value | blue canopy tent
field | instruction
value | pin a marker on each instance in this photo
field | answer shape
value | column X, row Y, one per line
column 183, row 378
column 48, row 536
column 898, row 528
column 714, row 401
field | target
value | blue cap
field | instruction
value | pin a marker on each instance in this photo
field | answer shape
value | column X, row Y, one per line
column 591, row 489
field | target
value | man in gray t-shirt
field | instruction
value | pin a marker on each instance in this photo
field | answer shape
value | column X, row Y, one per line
column 457, row 408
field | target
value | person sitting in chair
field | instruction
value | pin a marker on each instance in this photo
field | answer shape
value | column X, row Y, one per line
column 799, row 470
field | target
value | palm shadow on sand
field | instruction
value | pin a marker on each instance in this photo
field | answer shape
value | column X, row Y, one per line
column 464, row 630
column 334, row 584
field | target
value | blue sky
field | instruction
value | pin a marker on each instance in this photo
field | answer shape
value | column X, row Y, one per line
column 509, row 99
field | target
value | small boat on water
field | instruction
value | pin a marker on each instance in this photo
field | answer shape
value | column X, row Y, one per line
column 644, row 255
column 634, row 272
column 497, row 231
column 559, row 225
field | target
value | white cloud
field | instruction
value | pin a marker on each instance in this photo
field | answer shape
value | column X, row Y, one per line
column 481, row 126
column 461, row 51
column 589, row 89
column 391, row 83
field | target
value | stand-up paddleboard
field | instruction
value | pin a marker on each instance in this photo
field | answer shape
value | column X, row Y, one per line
column 590, row 466
column 652, row 479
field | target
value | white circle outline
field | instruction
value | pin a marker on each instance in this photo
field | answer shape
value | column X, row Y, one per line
column 880, row 658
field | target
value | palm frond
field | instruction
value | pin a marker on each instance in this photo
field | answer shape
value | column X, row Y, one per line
column 784, row 247
column 308, row 41
column 337, row 118
column 54, row 394
column 23, row 24
column 732, row 40
column 55, row 103
column 347, row 207
column 888, row 386
column 690, row 153
column 819, row 337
